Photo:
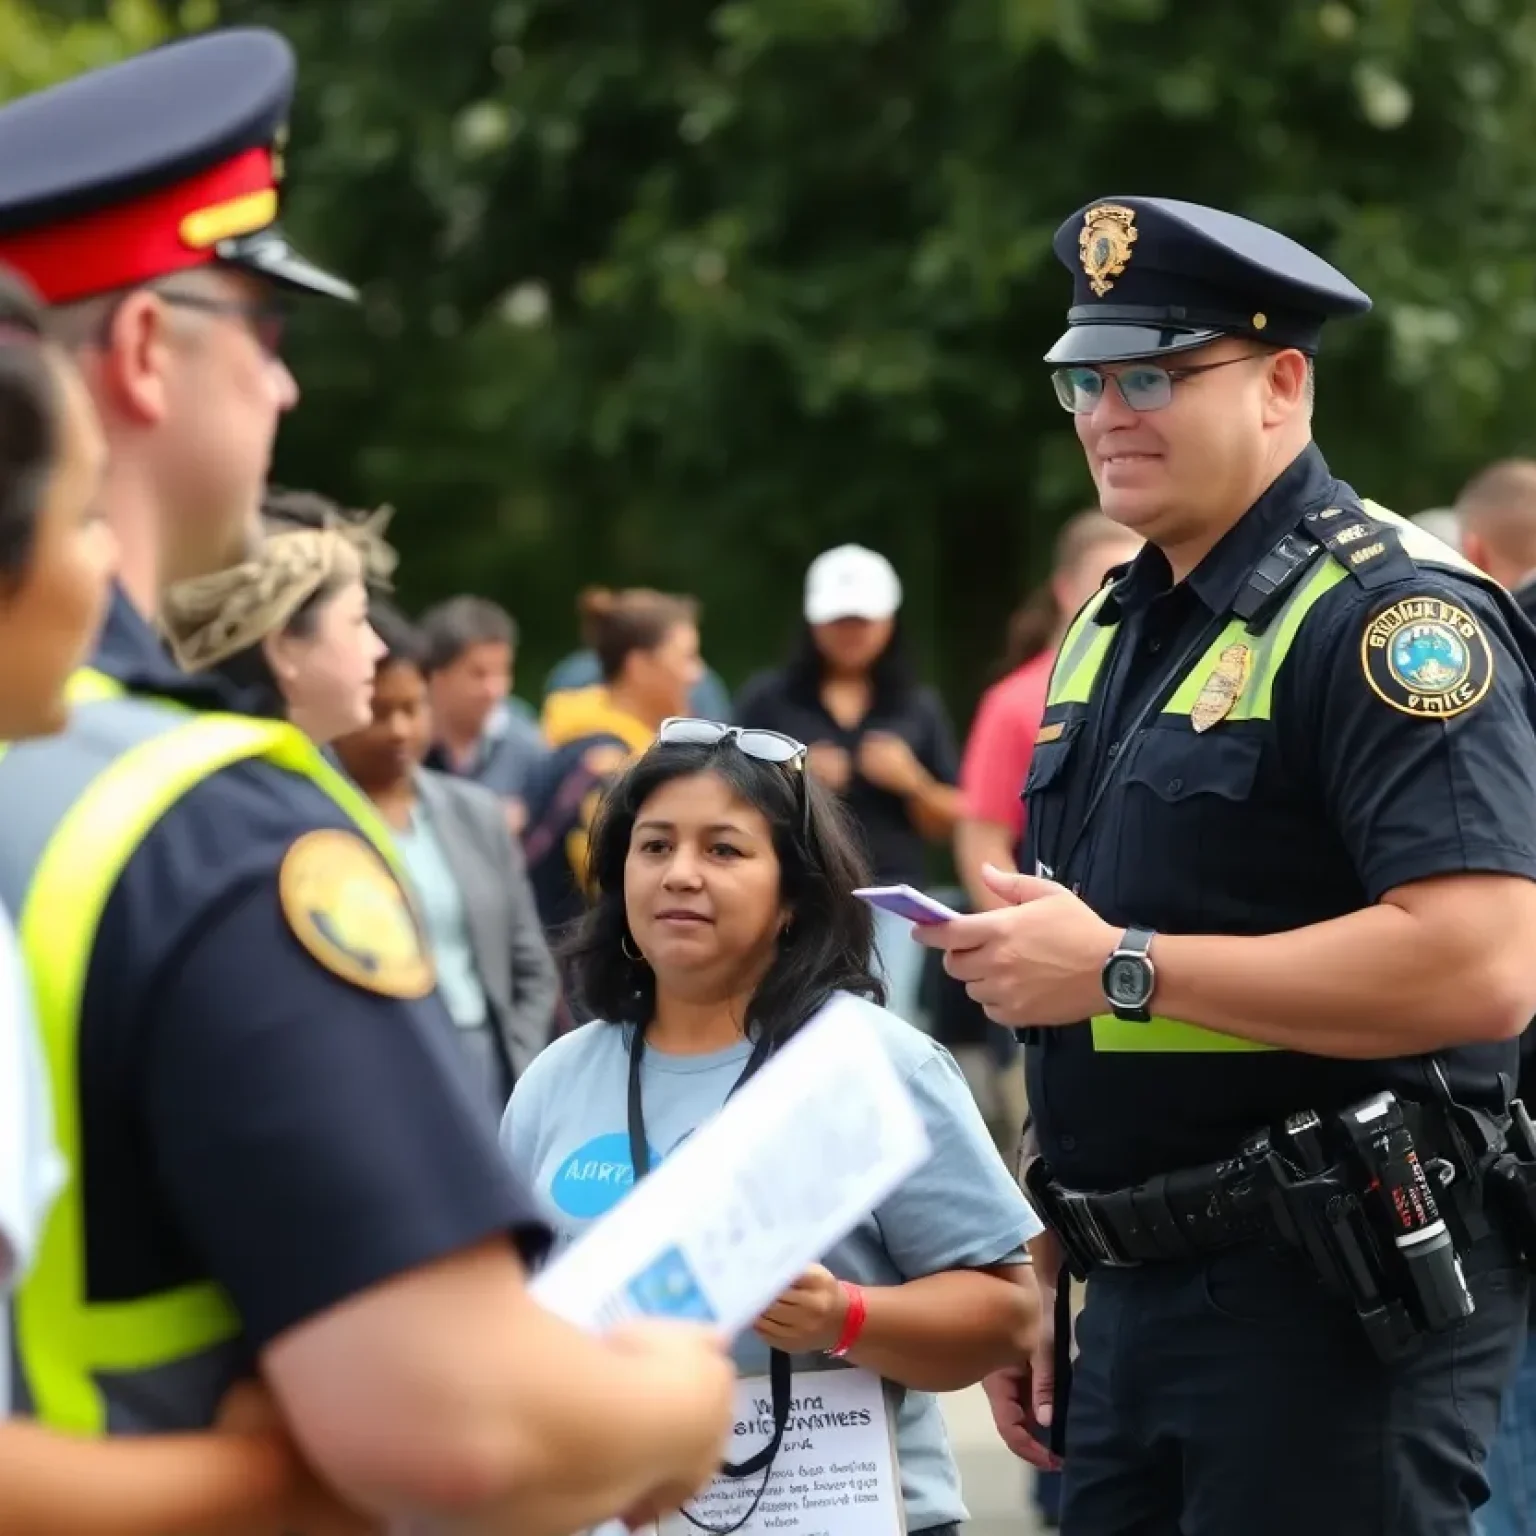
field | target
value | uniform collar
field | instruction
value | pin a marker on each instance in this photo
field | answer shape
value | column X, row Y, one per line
column 1304, row 484
column 129, row 650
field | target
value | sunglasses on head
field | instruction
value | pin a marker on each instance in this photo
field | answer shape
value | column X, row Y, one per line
column 762, row 746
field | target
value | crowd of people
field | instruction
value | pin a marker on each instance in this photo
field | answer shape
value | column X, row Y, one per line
column 344, row 987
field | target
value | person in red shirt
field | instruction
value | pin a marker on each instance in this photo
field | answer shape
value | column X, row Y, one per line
column 1008, row 718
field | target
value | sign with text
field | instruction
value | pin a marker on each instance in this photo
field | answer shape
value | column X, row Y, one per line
column 835, row 1474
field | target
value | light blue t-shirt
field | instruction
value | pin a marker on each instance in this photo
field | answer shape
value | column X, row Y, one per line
column 566, row 1130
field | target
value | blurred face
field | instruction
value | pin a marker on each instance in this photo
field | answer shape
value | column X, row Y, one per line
column 392, row 745
column 191, row 377
column 852, row 646
column 662, row 679
column 701, row 889
column 1074, row 586
column 326, row 675
column 466, row 691
column 50, row 614
column 1169, row 474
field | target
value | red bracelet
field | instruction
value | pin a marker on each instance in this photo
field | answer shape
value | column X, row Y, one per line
column 853, row 1323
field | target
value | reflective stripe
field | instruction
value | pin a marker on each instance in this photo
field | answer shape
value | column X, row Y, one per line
column 64, row 1339
column 88, row 686
column 1082, row 654
column 1164, row 1035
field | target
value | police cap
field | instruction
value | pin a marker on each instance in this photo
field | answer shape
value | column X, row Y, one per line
column 1154, row 275
column 170, row 160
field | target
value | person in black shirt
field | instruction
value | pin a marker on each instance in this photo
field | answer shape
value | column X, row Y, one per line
column 1282, row 813
column 877, row 736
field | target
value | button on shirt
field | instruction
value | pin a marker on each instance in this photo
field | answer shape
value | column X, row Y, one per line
column 1260, row 826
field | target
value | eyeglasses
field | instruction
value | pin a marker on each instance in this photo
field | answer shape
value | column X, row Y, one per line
column 1145, row 387
column 763, row 746
column 267, row 320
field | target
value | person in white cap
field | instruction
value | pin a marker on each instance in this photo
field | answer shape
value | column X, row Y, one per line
column 877, row 736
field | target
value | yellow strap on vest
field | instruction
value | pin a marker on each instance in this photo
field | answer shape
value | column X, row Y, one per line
column 64, row 1338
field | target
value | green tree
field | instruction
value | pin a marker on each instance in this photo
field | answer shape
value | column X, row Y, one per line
column 681, row 294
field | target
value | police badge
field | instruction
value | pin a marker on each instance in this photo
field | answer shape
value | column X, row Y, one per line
column 1109, row 232
column 1222, row 689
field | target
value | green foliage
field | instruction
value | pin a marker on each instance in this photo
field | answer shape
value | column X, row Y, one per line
column 682, row 293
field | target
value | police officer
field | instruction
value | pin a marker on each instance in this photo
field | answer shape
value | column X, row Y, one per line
column 272, row 1157
column 1282, row 817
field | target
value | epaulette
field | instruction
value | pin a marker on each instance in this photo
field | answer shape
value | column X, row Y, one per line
column 1369, row 548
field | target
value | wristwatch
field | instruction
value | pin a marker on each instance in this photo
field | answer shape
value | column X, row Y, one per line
column 1129, row 976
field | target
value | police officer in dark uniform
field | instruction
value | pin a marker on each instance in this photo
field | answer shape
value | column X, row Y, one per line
column 274, row 1159
column 1280, row 940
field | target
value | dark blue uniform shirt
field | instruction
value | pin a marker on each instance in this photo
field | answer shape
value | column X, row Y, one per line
column 1260, row 826
column 249, row 1116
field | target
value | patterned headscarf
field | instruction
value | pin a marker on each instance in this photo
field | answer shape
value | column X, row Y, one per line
column 210, row 618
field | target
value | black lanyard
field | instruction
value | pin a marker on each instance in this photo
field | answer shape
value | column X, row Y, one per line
column 779, row 1373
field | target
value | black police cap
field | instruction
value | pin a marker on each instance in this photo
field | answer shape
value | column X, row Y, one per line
column 170, row 160
column 1156, row 275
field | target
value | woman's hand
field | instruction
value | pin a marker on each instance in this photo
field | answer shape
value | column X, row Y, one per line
column 890, row 764
column 830, row 764
column 808, row 1316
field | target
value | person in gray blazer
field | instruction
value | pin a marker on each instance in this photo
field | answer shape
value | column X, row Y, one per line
column 494, row 968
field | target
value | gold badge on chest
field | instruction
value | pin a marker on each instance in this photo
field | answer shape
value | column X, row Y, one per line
column 1220, row 692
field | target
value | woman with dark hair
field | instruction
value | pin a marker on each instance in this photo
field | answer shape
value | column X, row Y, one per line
column 288, row 628
column 56, row 559
column 878, row 737
column 493, row 966
column 724, row 919
column 647, row 645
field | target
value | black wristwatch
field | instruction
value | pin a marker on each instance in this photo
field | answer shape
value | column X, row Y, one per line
column 1129, row 976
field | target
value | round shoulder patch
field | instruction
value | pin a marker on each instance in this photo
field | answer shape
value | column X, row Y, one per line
column 1427, row 657
column 346, row 908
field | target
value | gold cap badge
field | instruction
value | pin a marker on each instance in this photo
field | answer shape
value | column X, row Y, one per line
column 1223, row 688
column 1109, row 231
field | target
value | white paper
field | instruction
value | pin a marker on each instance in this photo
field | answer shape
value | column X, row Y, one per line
column 808, row 1147
column 835, row 1474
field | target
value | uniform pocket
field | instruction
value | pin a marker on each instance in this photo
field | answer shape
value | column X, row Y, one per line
column 1045, row 792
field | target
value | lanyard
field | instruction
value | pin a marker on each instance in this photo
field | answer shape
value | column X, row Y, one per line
column 779, row 1372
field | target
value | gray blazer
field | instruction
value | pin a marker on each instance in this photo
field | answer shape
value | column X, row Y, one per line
column 514, row 963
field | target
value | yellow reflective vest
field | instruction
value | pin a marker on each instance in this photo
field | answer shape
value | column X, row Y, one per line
column 77, row 806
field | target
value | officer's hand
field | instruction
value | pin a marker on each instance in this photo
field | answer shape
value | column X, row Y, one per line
column 890, row 764
column 1022, row 1400
column 808, row 1316
column 699, row 1401
column 831, row 765
column 1037, row 961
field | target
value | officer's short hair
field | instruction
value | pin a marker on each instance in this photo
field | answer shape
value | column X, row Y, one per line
column 29, row 420
column 1499, row 504
column 450, row 628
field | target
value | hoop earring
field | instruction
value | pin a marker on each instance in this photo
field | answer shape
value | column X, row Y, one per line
column 634, row 959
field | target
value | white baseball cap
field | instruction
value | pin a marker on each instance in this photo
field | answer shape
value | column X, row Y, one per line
column 851, row 582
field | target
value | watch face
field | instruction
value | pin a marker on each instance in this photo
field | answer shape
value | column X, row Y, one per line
column 1125, row 982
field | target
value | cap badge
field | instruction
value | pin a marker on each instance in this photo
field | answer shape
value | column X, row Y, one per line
column 1109, row 232
column 1222, row 689
column 280, row 153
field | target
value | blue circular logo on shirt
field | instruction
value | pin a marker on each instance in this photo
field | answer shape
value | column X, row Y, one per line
column 595, row 1177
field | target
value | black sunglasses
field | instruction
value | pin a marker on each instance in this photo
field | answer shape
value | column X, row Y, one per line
column 763, row 746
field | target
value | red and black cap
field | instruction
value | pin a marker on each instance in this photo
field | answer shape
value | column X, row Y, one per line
column 1155, row 275
column 168, row 161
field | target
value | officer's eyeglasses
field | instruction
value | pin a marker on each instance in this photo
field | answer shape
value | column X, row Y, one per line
column 267, row 320
column 764, row 746
column 1144, row 387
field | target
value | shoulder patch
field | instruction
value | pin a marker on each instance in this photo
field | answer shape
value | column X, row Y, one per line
column 604, row 760
column 1427, row 657
column 1367, row 547
column 344, row 905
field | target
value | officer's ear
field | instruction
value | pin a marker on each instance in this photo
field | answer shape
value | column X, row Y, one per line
column 133, row 356
column 1288, row 387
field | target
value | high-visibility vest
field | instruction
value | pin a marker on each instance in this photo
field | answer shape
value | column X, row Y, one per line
column 1080, row 661
column 76, row 807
